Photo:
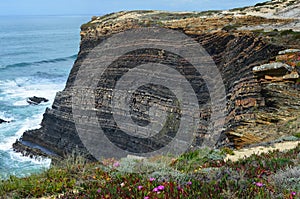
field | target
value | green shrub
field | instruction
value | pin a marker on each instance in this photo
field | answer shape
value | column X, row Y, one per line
column 287, row 32
column 260, row 4
column 86, row 25
column 229, row 28
column 287, row 179
column 297, row 135
column 227, row 150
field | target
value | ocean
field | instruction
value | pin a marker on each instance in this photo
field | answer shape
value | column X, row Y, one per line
column 36, row 56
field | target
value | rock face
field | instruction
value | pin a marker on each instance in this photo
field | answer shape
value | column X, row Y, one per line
column 259, row 106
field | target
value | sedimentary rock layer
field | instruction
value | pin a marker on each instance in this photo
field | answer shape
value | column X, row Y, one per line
column 249, row 99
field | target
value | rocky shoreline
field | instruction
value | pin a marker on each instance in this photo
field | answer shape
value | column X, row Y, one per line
column 33, row 152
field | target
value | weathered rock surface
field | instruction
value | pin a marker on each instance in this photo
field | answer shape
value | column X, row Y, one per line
column 258, row 109
column 288, row 51
column 273, row 69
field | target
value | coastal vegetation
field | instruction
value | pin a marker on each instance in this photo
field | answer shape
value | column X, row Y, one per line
column 278, row 37
column 200, row 173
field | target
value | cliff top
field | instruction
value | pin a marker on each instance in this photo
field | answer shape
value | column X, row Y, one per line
column 276, row 14
column 272, row 9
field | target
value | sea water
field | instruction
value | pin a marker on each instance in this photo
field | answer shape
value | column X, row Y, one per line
column 36, row 55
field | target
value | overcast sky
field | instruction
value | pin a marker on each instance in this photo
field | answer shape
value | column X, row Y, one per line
column 95, row 7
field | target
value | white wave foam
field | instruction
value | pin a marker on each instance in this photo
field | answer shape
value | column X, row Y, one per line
column 44, row 162
column 6, row 117
column 29, row 123
column 20, row 103
column 17, row 91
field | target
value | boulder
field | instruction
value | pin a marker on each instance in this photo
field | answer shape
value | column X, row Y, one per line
column 36, row 100
column 3, row 121
column 288, row 51
column 292, row 76
column 272, row 69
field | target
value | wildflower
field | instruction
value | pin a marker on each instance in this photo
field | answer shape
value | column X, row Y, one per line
column 179, row 188
column 189, row 183
column 146, row 197
column 122, row 184
column 155, row 189
column 99, row 190
column 116, row 164
column 293, row 193
column 259, row 184
column 151, row 179
column 160, row 187
column 140, row 187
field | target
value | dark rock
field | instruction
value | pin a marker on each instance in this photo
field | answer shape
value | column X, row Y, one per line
column 3, row 121
column 36, row 100
column 33, row 152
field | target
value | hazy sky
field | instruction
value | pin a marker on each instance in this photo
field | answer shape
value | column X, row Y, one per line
column 94, row 7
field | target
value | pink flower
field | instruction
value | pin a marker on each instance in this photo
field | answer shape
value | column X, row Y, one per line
column 189, row 183
column 140, row 187
column 99, row 190
column 160, row 187
column 293, row 193
column 116, row 164
column 179, row 188
column 259, row 184
column 151, row 179
column 155, row 189
column 146, row 197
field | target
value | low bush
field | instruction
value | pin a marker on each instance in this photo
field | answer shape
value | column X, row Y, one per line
column 201, row 173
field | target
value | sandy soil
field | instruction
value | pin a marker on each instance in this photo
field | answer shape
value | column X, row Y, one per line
column 246, row 152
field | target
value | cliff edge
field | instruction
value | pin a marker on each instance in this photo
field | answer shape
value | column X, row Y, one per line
column 256, row 55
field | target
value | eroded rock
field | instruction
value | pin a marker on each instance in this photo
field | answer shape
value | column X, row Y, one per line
column 36, row 100
column 292, row 76
column 287, row 51
column 272, row 69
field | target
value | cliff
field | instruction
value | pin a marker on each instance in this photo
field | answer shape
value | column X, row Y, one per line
column 262, row 100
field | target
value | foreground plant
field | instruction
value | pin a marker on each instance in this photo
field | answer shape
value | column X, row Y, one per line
column 271, row 175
